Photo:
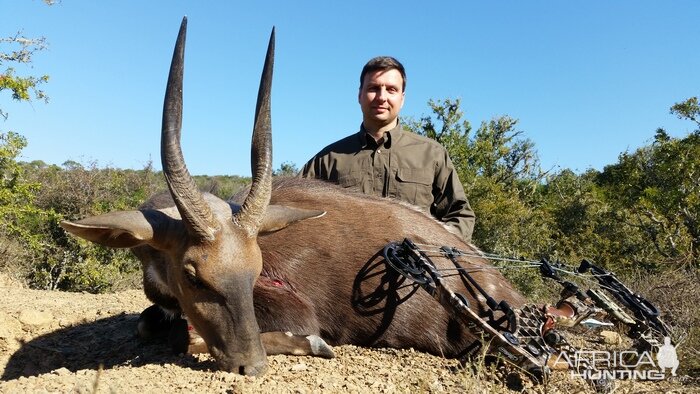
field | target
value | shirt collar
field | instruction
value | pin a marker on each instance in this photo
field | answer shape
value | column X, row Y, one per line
column 390, row 137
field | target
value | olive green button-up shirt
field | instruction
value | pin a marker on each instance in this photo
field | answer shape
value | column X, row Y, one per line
column 403, row 165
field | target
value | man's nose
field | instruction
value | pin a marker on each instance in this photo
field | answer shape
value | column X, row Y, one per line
column 381, row 94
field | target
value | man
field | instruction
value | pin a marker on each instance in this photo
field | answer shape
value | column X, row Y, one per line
column 384, row 160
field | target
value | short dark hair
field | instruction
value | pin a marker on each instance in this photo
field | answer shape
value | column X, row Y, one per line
column 383, row 63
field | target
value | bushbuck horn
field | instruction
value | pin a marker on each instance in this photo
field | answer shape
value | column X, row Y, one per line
column 195, row 212
column 267, row 268
column 255, row 204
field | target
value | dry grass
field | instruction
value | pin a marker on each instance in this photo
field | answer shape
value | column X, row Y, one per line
column 676, row 293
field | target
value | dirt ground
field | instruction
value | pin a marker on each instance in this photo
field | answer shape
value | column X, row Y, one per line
column 85, row 343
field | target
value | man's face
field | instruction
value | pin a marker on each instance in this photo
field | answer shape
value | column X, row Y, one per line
column 381, row 97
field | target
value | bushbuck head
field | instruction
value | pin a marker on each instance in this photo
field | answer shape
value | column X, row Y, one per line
column 202, row 251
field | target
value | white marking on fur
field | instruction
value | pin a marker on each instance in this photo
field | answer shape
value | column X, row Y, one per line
column 154, row 277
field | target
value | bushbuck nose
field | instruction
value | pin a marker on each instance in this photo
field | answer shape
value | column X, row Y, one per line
column 255, row 369
column 251, row 361
column 249, row 368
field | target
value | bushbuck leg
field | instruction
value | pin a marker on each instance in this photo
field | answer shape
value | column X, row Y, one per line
column 295, row 345
column 154, row 322
column 274, row 343
column 211, row 260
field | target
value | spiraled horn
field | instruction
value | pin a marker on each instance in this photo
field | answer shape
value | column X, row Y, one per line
column 253, row 209
column 195, row 212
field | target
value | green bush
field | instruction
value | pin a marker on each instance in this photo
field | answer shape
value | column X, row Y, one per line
column 77, row 191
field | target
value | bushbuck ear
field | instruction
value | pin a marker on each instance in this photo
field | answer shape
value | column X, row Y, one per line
column 278, row 217
column 122, row 229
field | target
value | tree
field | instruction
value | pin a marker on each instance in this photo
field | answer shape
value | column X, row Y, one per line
column 73, row 192
column 580, row 220
column 499, row 170
column 286, row 169
column 448, row 129
column 689, row 109
column 19, row 50
column 22, row 50
column 16, row 195
column 496, row 150
column 656, row 191
column 21, row 239
column 19, row 217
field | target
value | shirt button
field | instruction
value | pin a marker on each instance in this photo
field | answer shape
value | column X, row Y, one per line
column 379, row 151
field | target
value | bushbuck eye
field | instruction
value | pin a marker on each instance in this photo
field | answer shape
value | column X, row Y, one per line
column 195, row 282
column 191, row 276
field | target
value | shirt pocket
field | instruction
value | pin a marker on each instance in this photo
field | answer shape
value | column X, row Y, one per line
column 351, row 179
column 415, row 185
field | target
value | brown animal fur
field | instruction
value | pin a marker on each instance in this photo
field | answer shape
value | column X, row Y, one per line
column 316, row 273
column 237, row 271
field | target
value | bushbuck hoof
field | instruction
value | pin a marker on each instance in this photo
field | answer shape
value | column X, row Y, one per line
column 319, row 347
column 153, row 322
column 278, row 342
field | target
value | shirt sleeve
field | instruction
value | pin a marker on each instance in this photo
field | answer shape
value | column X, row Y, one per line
column 450, row 202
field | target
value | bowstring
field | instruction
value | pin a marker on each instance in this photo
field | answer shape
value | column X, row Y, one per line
column 435, row 251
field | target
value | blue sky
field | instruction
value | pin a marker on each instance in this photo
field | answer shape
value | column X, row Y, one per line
column 587, row 80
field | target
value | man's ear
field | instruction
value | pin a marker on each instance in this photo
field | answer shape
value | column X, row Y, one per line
column 122, row 229
column 278, row 217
